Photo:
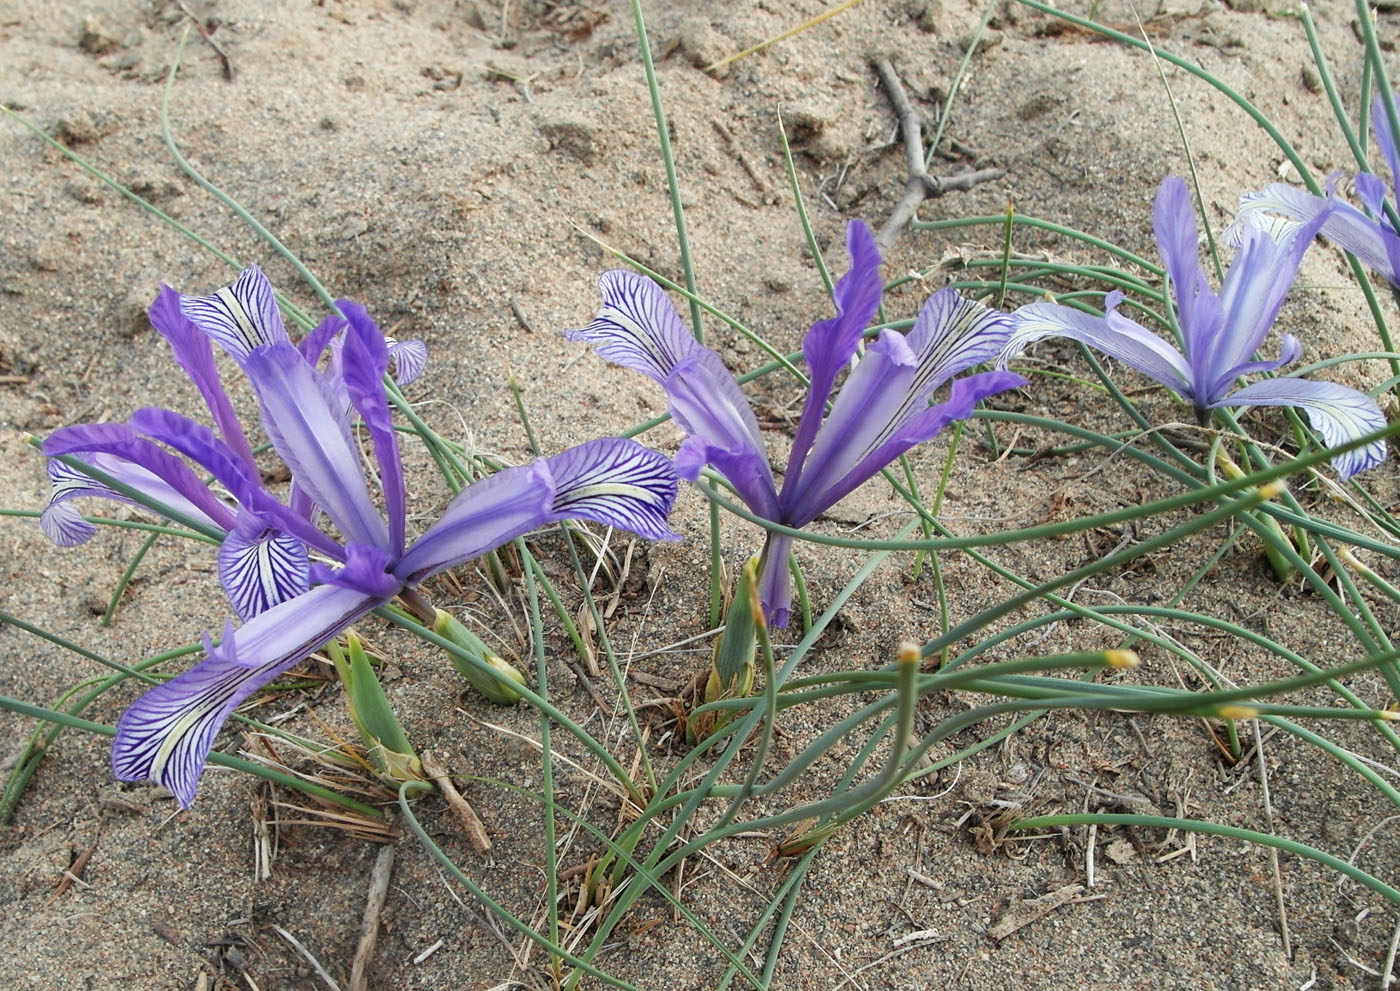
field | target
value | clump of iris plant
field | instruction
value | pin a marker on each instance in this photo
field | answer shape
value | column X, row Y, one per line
column 1220, row 332
column 1372, row 236
column 294, row 583
column 880, row 412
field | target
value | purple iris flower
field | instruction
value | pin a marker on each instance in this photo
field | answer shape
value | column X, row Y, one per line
column 290, row 604
column 1370, row 236
column 880, row 412
column 1220, row 332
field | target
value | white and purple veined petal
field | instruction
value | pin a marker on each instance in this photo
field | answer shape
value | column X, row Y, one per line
column 409, row 358
column 612, row 481
column 1344, row 225
column 830, row 344
column 1253, row 292
column 307, row 427
column 117, row 450
column 1122, row 340
column 167, row 733
column 616, row 482
column 240, row 318
column 260, row 567
column 952, row 334
column 195, row 355
column 65, row 526
column 638, row 326
column 1336, row 412
column 1174, row 223
column 61, row 522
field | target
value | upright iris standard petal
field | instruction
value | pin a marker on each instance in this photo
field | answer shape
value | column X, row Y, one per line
column 193, row 353
column 260, row 568
column 240, row 318
column 1255, row 286
column 1174, row 222
column 1337, row 413
column 309, row 432
column 831, row 343
column 867, row 409
column 891, row 386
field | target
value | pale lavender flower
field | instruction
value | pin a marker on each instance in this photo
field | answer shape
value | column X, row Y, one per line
column 1221, row 333
column 880, row 412
column 290, row 604
column 1370, row 236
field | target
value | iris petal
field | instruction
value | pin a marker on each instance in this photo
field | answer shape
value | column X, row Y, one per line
column 1124, row 340
column 364, row 360
column 138, row 463
column 306, row 426
column 259, row 567
column 709, row 405
column 199, row 444
column 1336, row 412
column 637, row 327
column 1344, row 225
column 831, row 343
column 166, row 734
column 965, row 394
column 615, row 482
column 194, row 354
column 409, row 358
column 241, row 317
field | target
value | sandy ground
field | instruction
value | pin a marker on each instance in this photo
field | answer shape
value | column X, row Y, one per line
column 444, row 162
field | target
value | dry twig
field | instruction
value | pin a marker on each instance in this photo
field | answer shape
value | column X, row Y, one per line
column 369, row 924
column 920, row 185
column 471, row 824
